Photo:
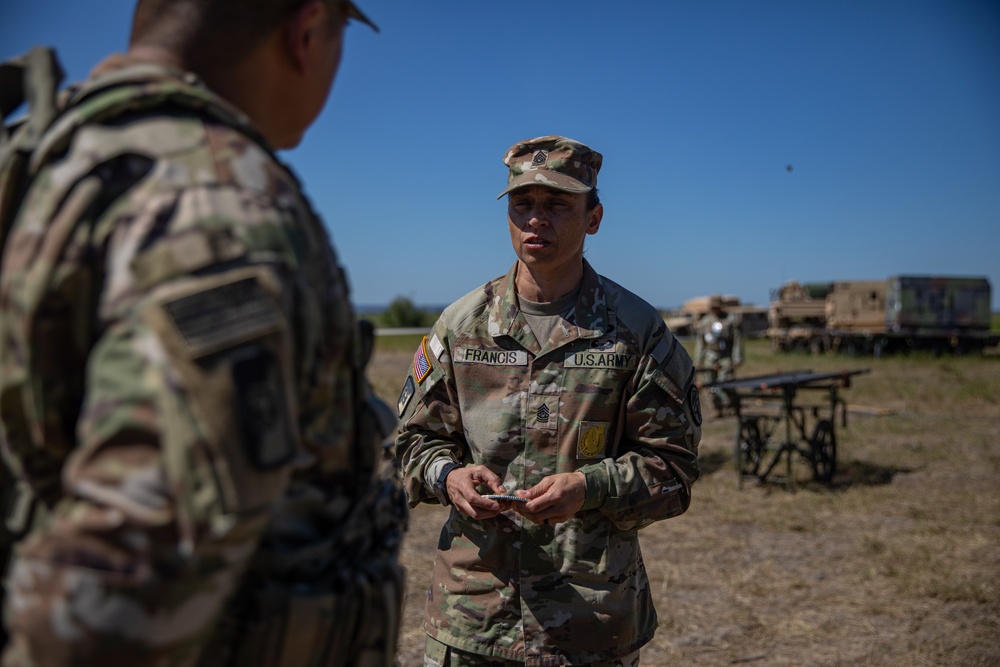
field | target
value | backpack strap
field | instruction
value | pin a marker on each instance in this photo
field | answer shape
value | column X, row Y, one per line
column 32, row 78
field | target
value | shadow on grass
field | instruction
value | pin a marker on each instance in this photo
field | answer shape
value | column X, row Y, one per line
column 709, row 462
column 849, row 474
column 861, row 473
column 856, row 473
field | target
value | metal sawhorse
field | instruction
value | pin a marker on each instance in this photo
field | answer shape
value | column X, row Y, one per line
column 766, row 403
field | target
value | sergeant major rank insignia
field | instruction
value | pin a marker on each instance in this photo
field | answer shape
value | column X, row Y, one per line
column 543, row 414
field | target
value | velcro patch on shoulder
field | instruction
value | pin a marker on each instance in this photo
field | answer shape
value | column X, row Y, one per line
column 436, row 346
column 678, row 365
column 208, row 319
column 221, row 311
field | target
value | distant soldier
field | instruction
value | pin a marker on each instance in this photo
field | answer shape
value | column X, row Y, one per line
column 718, row 347
column 182, row 398
column 555, row 383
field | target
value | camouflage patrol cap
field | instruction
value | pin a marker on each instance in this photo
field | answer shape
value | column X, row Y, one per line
column 553, row 161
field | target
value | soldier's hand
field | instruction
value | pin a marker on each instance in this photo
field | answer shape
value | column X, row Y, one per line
column 554, row 499
column 461, row 484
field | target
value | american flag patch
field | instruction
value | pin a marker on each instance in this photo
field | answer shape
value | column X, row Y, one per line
column 421, row 364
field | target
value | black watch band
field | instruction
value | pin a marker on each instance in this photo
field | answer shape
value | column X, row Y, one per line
column 439, row 485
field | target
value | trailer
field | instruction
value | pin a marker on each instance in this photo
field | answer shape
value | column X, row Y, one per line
column 785, row 416
column 940, row 314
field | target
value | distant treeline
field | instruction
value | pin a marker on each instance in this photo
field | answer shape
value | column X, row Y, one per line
column 400, row 313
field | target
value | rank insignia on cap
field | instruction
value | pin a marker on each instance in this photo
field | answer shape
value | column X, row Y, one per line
column 421, row 363
column 540, row 157
column 695, row 402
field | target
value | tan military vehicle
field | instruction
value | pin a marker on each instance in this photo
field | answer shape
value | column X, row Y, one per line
column 796, row 317
column 682, row 321
column 901, row 313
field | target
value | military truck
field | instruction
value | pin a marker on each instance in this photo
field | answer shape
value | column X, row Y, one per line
column 682, row 322
column 900, row 314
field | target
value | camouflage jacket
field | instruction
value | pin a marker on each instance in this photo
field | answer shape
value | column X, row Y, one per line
column 176, row 360
column 611, row 395
column 718, row 338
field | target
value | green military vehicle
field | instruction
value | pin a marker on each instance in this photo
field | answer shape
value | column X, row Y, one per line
column 942, row 314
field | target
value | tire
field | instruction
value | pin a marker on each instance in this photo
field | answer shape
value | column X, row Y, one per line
column 749, row 448
column 823, row 451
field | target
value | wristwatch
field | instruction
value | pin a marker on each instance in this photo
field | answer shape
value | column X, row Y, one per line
column 439, row 486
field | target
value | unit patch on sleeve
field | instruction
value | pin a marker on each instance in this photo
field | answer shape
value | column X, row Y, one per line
column 421, row 362
column 695, row 402
column 593, row 440
column 405, row 396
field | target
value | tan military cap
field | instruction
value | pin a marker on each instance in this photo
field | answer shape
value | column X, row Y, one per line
column 553, row 161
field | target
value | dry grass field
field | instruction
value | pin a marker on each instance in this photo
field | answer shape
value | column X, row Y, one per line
column 897, row 562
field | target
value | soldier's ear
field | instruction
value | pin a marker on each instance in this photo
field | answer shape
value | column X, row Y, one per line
column 303, row 34
column 594, row 217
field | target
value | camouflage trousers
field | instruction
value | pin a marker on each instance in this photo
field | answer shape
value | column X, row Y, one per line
column 277, row 626
column 719, row 370
column 441, row 655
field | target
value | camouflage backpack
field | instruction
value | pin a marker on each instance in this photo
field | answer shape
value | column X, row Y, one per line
column 31, row 79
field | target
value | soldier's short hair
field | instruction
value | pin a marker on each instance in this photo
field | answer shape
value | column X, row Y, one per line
column 593, row 199
column 217, row 32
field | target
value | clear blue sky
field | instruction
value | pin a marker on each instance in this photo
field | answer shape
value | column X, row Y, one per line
column 888, row 112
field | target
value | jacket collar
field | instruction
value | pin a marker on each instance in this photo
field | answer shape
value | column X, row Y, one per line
column 590, row 319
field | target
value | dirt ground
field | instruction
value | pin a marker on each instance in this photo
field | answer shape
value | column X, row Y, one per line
column 894, row 563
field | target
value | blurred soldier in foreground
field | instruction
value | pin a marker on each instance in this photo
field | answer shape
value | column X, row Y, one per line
column 182, row 398
column 558, row 385
column 718, row 348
